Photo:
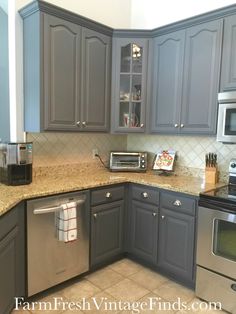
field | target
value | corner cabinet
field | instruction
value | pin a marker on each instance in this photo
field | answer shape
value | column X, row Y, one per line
column 12, row 258
column 129, row 84
column 186, row 80
column 66, row 75
column 228, row 67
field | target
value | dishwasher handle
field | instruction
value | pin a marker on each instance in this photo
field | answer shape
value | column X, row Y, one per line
column 47, row 210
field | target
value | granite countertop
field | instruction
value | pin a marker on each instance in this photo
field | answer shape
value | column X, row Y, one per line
column 48, row 185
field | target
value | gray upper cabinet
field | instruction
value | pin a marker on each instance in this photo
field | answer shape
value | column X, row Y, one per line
column 201, row 78
column 228, row 68
column 167, row 82
column 61, row 73
column 186, row 80
column 66, row 74
column 96, row 81
column 129, row 80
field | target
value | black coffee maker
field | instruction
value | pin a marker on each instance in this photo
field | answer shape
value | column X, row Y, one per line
column 16, row 163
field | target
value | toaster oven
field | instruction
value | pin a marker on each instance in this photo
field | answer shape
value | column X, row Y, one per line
column 128, row 161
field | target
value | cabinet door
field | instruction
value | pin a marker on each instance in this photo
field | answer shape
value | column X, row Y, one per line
column 12, row 258
column 96, row 81
column 61, row 73
column 228, row 67
column 201, row 78
column 167, row 82
column 176, row 244
column 129, row 76
column 143, row 233
column 106, row 232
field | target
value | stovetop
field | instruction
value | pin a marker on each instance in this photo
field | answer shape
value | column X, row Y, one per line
column 222, row 198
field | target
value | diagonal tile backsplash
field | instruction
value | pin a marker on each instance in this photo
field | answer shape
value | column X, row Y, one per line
column 191, row 150
column 69, row 148
column 66, row 148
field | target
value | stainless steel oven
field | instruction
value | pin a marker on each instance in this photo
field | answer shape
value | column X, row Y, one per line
column 216, row 248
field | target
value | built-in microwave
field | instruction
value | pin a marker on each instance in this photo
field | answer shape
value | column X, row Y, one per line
column 128, row 161
column 226, row 127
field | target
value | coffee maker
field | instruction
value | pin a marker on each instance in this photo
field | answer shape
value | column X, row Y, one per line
column 16, row 163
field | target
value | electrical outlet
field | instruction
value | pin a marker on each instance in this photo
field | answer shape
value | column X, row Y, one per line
column 94, row 152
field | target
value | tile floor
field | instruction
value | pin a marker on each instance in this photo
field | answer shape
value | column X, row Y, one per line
column 123, row 281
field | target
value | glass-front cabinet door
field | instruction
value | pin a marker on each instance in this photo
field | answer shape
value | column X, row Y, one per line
column 129, row 85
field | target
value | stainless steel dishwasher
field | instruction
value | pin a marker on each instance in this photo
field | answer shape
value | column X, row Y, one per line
column 51, row 261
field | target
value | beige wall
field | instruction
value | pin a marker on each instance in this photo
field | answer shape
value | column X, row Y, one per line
column 114, row 13
column 153, row 13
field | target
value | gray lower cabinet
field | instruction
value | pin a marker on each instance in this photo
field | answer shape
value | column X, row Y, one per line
column 143, row 231
column 186, row 80
column 228, row 67
column 143, row 222
column 176, row 241
column 12, row 258
column 107, row 224
column 66, row 75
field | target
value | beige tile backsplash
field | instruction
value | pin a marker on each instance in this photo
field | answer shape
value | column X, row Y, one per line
column 68, row 148
column 191, row 150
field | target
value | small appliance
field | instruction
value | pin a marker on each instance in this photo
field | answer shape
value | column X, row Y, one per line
column 128, row 161
column 226, row 127
column 16, row 163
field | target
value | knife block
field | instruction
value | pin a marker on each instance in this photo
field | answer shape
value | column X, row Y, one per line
column 211, row 175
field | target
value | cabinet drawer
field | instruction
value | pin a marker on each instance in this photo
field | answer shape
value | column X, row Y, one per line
column 106, row 195
column 178, row 202
column 145, row 194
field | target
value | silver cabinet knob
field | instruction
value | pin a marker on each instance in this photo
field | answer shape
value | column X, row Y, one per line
column 176, row 125
column 181, row 125
column 145, row 195
column 177, row 203
column 154, row 214
column 78, row 123
column 83, row 124
column 95, row 215
column 141, row 125
column 162, row 217
column 108, row 195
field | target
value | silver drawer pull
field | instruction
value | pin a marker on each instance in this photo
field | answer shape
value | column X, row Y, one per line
column 145, row 195
column 233, row 286
column 83, row 124
column 176, row 125
column 108, row 195
column 78, row 123
column 154, row 214
column 95, row 216
column 181, row 125
column 141, row 125
column 162, row 217
column 177, row 203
